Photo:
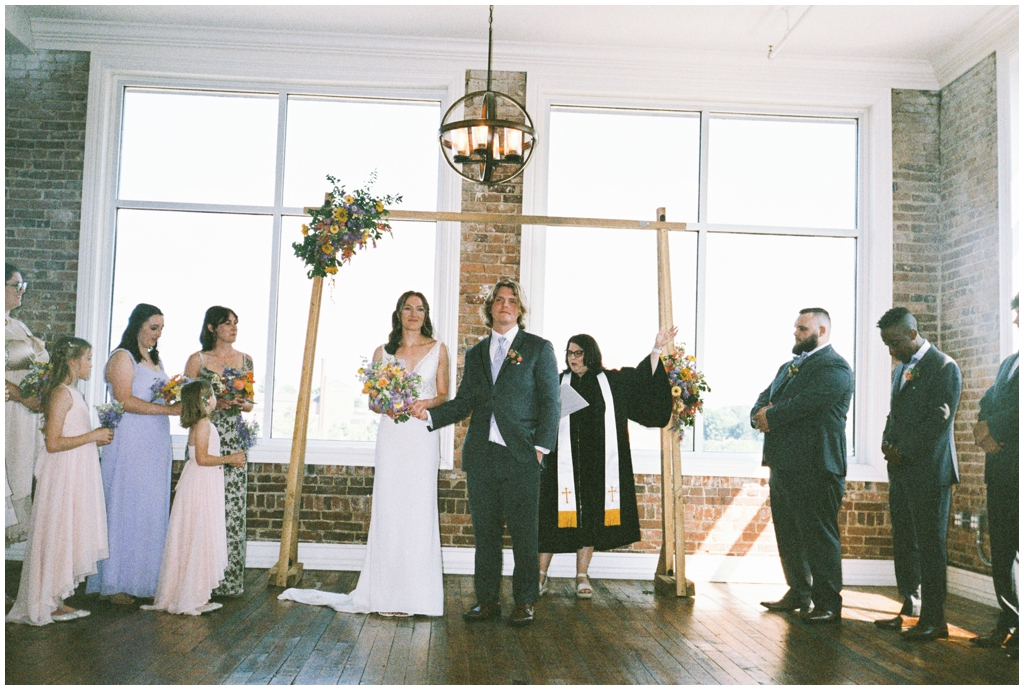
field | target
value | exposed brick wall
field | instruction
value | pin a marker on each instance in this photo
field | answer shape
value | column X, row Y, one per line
column 46, row 96
column 946, row 251
column 969, row 297
column 916, row 188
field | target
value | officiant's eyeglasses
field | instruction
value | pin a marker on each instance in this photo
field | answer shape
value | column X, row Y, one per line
column 20, row 287
column 574, row 353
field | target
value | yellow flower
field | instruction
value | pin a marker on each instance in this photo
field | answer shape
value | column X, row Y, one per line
column 366, row 389
column 380, row 207
column 330, row 270
column 348, row 198
column 305, row 230
column 676, row 391
column 334, row 229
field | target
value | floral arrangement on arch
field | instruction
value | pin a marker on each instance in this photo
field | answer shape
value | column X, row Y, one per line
column 687, row 385
column 344, row 224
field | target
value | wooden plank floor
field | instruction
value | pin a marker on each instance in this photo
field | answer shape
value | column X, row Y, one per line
column 624, row 635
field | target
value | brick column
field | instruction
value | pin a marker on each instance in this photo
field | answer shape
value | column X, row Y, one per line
column 46, row 97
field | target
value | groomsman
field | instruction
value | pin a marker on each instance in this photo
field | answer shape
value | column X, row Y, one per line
column 803, row 417
column 510, row 386
column 998, row 433
column 918, row 446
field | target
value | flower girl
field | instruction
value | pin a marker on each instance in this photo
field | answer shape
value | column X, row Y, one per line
column 68, row 534
column 196, row 552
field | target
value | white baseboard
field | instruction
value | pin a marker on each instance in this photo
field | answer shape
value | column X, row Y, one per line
column 605, row 565
column 973, row 586
column 615, row 566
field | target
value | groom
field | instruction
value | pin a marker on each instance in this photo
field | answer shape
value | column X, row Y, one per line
column 510, row 386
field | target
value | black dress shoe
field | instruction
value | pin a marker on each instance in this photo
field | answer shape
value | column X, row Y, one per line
column 820, row 616
column 483, row 611
column 993, row 638
column 890, row 623
column 925, row 632
column 786, row 604
column 522, row 614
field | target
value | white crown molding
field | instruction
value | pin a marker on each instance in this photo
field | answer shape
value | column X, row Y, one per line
column 600, row 64
column 997, row 29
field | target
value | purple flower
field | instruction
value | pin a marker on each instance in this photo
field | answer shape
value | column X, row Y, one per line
column 110, row 414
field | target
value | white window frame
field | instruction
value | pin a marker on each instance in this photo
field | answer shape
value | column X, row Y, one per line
column 99, row 214
column 1008, row 133
column 872, row 364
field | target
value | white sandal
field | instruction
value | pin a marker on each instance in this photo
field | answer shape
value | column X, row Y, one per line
column 544, row 580
column 583, row 589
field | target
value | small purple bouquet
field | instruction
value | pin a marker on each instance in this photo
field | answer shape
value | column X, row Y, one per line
column 110, row 414
column 248, row 432
column 390, row 387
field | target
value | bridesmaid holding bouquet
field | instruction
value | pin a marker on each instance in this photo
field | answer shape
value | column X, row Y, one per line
column 68, row 532
column 220, row 363
column 137, row 465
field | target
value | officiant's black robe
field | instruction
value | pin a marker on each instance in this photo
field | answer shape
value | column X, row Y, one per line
column 638, row 395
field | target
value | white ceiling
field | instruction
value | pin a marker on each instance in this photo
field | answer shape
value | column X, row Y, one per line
column 915, row 32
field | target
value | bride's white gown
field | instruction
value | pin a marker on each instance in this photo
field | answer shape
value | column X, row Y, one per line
column 402, row 570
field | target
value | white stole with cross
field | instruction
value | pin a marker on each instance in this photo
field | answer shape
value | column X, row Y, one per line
column 566, row 480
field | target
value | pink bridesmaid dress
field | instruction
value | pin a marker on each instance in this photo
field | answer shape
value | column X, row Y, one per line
column 196, row 549
column 68, row 534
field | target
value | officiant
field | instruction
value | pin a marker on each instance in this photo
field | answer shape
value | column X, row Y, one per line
column 587, row 489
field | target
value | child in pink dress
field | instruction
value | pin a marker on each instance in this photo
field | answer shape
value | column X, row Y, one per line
column 68, row 535
column 196, row 549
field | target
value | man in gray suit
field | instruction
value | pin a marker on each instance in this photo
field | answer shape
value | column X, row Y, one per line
column 803, row 417
column 998, row 434
column 510, row 386
column 918, row 446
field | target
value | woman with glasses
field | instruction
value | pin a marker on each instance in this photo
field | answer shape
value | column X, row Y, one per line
column 587, row 490
column 23, row 439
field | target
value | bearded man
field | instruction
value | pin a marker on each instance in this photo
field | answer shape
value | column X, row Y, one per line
column 803, row 417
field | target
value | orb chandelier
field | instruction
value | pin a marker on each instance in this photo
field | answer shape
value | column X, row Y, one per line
column 494, row 139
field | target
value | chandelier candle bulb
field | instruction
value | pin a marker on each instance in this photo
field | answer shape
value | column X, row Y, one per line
column 480, row 138
column 461, row 141
column 513, row 142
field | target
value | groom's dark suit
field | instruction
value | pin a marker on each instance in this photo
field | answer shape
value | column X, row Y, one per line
column 805, row 448
column 920, row 427
column 504, row 481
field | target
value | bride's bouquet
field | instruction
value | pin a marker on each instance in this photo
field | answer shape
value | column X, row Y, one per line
column 687, row 386
column 390, row 387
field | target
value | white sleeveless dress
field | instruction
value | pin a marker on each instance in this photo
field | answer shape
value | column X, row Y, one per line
column 402, row 570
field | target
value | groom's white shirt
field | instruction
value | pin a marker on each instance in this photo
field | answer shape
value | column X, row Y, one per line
column 495, row 435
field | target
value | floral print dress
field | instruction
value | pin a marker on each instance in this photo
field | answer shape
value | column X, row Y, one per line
column 236, row 483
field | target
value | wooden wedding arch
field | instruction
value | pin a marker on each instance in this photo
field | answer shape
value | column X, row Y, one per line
column 670, row 577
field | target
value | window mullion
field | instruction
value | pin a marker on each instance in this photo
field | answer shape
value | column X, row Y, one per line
column 275, row 266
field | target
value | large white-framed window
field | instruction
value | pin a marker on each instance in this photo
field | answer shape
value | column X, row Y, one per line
column 207, row 184
column 775, row 203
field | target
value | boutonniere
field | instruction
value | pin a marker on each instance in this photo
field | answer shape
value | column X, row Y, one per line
column 514, row 357
column 793, row 370
column 910, row 374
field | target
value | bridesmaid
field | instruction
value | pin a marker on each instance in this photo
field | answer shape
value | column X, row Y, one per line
column 137, row 465
column 68, row 535
column 23, row 440
column 220, row 329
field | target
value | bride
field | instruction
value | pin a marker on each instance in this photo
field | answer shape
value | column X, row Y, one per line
column 401, row 575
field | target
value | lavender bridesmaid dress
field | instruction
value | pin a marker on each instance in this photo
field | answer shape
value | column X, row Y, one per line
column 136, row 471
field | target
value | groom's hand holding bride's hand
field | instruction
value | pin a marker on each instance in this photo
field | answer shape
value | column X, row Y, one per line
column 419, row 410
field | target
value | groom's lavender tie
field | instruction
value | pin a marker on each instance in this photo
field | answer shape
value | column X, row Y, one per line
column 499, row 357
